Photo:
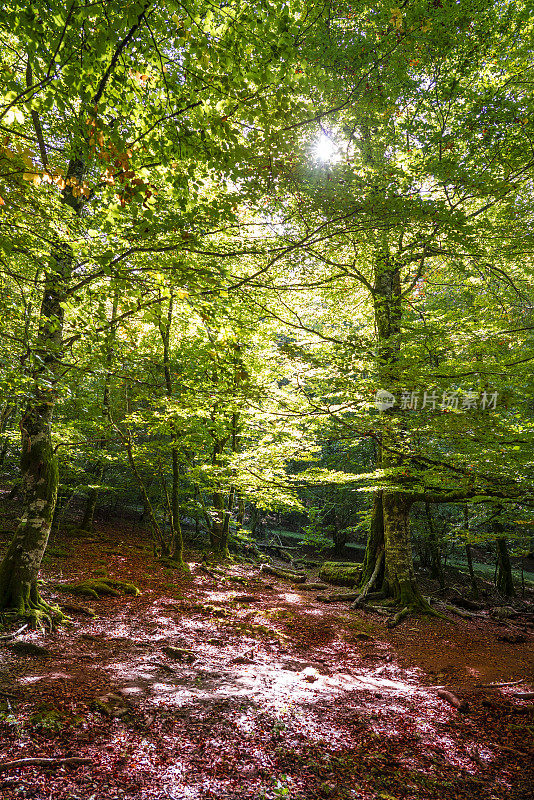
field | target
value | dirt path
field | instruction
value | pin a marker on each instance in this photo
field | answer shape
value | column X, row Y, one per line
column 279, row 696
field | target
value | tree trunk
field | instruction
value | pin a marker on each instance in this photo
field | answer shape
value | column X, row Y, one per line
column 240, row 518
column 399, row 576
column 474, row 586
column 504, row 581
column 256, row 521
column 7, row 412
column 469, row 554
column 218, row 539
column 375, row 543
column 22, row 561
column 399, row 581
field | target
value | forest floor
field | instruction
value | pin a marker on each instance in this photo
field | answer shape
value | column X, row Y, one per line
column 280, row 696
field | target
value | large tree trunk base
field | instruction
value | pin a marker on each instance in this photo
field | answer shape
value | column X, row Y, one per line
column 221, row 554
column 418, row 608
column 25, row 602
column 174, row 562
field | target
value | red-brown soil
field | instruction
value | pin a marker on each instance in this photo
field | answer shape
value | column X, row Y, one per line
column 286, row 696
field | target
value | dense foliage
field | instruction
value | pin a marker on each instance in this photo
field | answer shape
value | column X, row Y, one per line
column 268, row 256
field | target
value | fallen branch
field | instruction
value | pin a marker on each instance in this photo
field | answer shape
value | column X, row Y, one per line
column 14, row 635
column 457, row 611
column 464, row 602
column 77, row 608
column 497, row 685
column 294, row 577
column 44, row 762
column 376, row 609
column 207, row 571
column 451, row 698
column 524, row 695
column 514, row 752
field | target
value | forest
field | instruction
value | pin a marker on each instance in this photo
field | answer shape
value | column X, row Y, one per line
column 267, row 399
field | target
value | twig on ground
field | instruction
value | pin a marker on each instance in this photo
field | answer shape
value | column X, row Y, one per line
column 13, row 635
column 497, row 685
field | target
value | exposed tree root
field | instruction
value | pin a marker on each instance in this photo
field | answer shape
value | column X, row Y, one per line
column 371, row 582
column 421, row 607
column 39, row 613
column 397, row 618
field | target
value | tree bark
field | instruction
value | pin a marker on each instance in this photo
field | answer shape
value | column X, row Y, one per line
column 20, row 566
column 400, row 581
column 375, row 543
column 505, row 583
column 469, row 554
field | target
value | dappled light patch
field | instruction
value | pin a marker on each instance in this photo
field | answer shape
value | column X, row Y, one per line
column 291, row 597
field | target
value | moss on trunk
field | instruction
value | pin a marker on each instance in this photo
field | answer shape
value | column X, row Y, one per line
column 400, row 581
column 375, row 543
column 20, row 566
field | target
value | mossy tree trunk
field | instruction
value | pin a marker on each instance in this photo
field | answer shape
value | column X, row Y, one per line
column 218, row 534
column 22, row 561
column 375, row 543
column 39, row 472
column 223, row 508
column 399, row 581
